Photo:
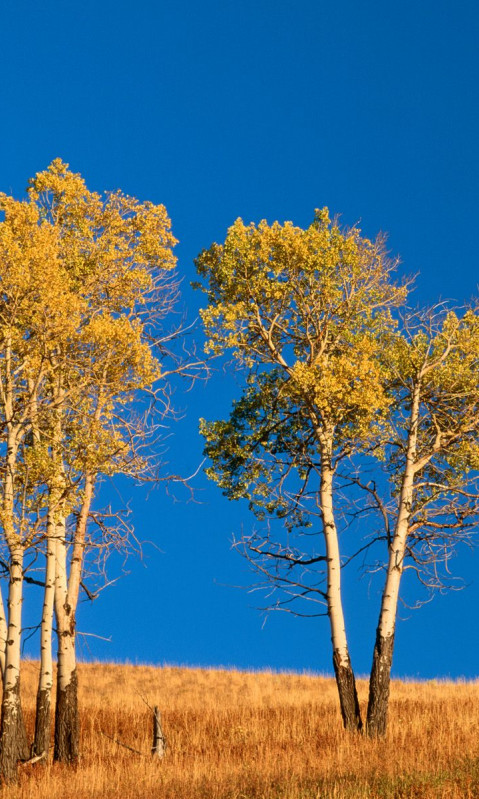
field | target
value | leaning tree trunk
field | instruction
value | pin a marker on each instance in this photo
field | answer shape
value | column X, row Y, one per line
column 67, row 724
column 41, row 743
column 380, row 679
column 379, row 685
column 345, row 680
column 13, row 740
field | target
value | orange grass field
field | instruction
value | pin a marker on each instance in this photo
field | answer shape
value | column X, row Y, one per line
column 235, row 735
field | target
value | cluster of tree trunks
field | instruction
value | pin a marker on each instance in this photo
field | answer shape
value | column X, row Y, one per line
column 87, row 281
column 335, row 389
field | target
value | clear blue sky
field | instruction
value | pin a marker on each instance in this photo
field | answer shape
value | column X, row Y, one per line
column 260, row 109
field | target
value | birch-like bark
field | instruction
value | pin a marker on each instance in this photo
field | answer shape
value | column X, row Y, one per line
column 3, row 637
column 380, row 679
column 41, row 744
column 13, row 739
column 66, row 709
column 343, row 671
column 76, row 564
column 14, row 743
column 67, row 724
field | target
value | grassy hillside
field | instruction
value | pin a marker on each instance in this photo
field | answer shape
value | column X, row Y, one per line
column 233, row 735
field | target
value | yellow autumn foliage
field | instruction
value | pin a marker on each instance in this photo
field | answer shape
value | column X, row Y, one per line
column 313, row 302
column 85, row 280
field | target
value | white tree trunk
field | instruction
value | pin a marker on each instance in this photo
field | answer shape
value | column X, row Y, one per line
column 14, row 745
column 342, row 664
column 67, row 587
column 45, row 682
column 76, row 564
column 3, row 636
column 15, row 598
column 66, row 710
column 13, row 740
column 380, row 679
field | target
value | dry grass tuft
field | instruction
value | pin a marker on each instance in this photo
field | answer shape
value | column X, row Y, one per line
column 236, row 735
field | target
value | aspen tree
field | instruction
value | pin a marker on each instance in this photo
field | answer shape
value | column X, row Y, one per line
column 106, row 442
column 49, row 453
column 300, row 309
column 100, row 277
column 432, row 457
column 28, row 267
column 117, row 256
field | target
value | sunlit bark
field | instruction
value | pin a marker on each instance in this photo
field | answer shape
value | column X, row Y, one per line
column 45, row 683
column 14, row 744
column 3, row 637
column 67, row 586
column 343, row 671
column 383, row 650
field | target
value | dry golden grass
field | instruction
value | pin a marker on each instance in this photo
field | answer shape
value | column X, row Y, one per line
column 236, row 735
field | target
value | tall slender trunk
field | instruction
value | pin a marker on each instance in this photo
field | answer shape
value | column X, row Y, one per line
column 67, row 726
column 41, row 743
column 380, row 678
column 14, row 743
column 13, row 739
column 67, row 723
column 343, row 671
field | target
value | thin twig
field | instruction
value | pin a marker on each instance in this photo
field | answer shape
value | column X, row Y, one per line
column 145, row 701
column 119, row 743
